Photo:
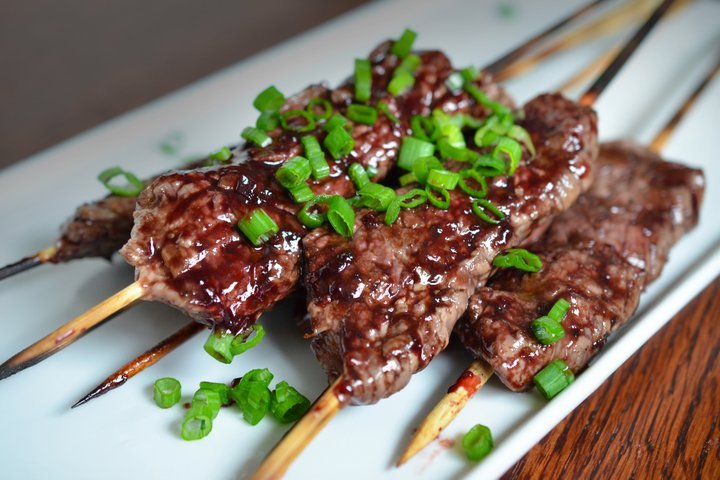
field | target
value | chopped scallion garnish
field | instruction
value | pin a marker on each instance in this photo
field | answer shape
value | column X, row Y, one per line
column 252, row 395
column 554, row 378
column 220, row 388
column 376, row 197
column 294, row 172
column 546, row 330
column 489, row 166
column 258, row 227
column 247, row 340
column 481, row 207
column 326, row 108
column 268, row 121
column 412, row 149
column 337, row 120
column 256, row 136
column 518, row 258
column 131, row 188
column 511, row 150
column 403, row 45
column 221, row 156
column 477, row 442
column 438, row 197
column 166, row 392
column 471, row 174
column 340, row 215
column 385, row 109
column 218, row 346
column 269, row 100
column 196, row 425
column 363, row 80
column 287, row 404
column 401, row 82
column 316, row 157
column 559, row 310
column 297, row 121
column 339, row 142
column 441, row 178
column 358, row 175
column 309, row 217
column 362, row 114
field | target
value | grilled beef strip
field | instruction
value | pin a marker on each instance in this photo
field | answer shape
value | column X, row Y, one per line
column 599, row 255
column 185, row 244
column 383, row 303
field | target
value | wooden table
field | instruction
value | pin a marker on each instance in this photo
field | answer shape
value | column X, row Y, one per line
column 70, row 65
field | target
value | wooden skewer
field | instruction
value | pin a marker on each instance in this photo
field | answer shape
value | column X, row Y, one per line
column 621, row 17
column 328, row 404
column 71, row 331
column 451, row 404
column 27, row 263
column 470, row 382
column 591, row 71
column 148, row 358
column 297, row 438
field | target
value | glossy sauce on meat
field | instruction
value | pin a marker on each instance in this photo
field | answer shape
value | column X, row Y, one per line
column 383, row 303
column 599, row 255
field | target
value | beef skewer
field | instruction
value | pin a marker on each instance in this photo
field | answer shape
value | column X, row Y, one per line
column 179, row 262
column 165, row 346
column 379, row 314
column 98, row 229
column 629, row 168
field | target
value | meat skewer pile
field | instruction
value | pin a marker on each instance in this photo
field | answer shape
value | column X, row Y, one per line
column 599, row 256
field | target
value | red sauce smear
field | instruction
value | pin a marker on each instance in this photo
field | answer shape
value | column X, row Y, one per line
column 467, row 381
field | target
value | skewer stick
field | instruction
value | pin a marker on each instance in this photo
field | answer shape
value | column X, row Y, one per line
column 467, row 385
column 591, row 71
column 148, row 358
column 511, row 57
column 71, row 331
column 609, row 23
column 27, row 263
column 297, row 438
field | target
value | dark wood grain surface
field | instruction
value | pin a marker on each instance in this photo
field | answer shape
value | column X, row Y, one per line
column 67, row 66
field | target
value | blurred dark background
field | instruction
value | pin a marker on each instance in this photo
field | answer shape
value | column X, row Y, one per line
column 69, row 65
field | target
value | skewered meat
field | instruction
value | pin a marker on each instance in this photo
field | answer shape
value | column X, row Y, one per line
column 185, row 244
column 383, row 303
column 599, row 255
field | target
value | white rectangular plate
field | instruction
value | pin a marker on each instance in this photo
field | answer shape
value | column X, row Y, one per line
column 124, row 435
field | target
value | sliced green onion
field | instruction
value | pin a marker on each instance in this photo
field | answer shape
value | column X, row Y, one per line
column 326, row 108
column 339, row 142
column 518, row 258
column 393, row 211
column 316, row 157
column 262, row 375
column 410, row 63
column 554, row 378
column 376, row 197
column 268, row 121
column 488, row 166
column 546, row 330
column 287, row 404
column 340, row 215
column 518, row 133
column 559, row 310
column 256, row 136
column 401, row 82
column 362, row 114
column 403, row 45
column 511, row 150
column 471, row 174
column 252, row 396
column 269, row 100
column 455, row 82
column 166, row 392
column 337, row 120
column 413, row 198
column 294, row 172
column 477, row 442
column 208, row 401
column 407, row 179
column 460, row 154
column 301, row 193
column 372, row 170
column 131, row 188
column 385, row 109
column 218, row 346
column 247, row 340
column 443, row 179
column 221, row 156
column 196, row 425
column 480, row 97
column 220, row 388
column 297, row 121
column 363, row 80
column 258, row 227
column 422, row 166
column 438, row 197
column 358, row 175
column 469, row 74
column 423, row 128
column 411, row 149
column 309, row 218
column 481, row 206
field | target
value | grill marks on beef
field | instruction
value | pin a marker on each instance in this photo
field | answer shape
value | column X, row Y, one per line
column 383, row 303
column 185, row 247
column 599, row 255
